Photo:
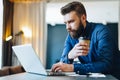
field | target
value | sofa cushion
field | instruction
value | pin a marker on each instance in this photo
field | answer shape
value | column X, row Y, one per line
column 4, row 71
column 16, row 69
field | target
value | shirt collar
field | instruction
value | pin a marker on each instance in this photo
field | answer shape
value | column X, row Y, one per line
column 87, row 30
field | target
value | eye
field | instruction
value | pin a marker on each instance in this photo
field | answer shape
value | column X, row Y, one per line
column 71, row 21
column 65, row 22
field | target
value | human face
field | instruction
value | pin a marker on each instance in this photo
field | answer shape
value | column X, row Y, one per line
column 74, row 24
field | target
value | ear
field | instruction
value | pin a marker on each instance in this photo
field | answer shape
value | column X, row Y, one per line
column 83, row 18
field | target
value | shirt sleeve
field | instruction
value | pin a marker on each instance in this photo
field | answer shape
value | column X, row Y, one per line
column 67, row 48
column 104, row 51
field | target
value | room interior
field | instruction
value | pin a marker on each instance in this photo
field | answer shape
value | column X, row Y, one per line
column 38, row 22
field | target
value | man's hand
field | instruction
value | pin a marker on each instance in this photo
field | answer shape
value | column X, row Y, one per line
column 62, row 67
column 80, row 49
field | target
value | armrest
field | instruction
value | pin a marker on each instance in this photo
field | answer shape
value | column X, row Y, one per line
column 16, row 69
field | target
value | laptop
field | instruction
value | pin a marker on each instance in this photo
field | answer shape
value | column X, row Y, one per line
column 31, row 62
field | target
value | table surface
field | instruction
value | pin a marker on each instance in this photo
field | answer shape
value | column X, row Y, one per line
column 30, row 76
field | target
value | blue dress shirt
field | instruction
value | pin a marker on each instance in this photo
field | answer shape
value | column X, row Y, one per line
column 100, row 56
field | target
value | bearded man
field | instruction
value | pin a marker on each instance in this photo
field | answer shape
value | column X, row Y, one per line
column 96, row 57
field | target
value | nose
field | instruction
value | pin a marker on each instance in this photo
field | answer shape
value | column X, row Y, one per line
column 68, row 26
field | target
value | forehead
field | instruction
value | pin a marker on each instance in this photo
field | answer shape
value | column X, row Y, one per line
column 70, row 16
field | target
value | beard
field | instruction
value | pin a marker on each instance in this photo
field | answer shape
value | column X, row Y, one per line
column 77, row 33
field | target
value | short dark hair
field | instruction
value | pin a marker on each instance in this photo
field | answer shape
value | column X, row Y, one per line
column 73, row 6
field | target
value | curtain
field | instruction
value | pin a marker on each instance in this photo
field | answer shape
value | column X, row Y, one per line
column 31, row 16
column 7, row 31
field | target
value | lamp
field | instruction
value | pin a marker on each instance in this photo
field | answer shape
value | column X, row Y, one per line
column 8, row 38
column 9, row 42
column 19, row 33
column 13, row 37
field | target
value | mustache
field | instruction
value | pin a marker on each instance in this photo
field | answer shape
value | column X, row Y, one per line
column 69, row 30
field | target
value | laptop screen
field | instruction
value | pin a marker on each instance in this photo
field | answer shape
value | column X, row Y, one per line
column 29, row 59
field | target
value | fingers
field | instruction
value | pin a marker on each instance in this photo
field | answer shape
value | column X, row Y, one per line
column 56, row 67
column 81, row 54
column 82, row 44
column 82, row 48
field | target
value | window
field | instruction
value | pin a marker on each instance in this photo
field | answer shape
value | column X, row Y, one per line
column 1, row 24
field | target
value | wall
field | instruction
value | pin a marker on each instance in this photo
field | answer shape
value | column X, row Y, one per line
column 55, row 43
column 97, row 11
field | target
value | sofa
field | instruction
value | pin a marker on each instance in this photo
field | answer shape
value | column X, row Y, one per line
column 9, row 70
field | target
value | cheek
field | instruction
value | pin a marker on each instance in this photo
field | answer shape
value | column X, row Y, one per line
column 74, row 26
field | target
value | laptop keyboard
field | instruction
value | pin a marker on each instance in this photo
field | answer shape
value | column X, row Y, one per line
column 55, row 73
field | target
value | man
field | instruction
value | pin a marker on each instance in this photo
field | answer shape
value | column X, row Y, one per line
column 97, row 57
